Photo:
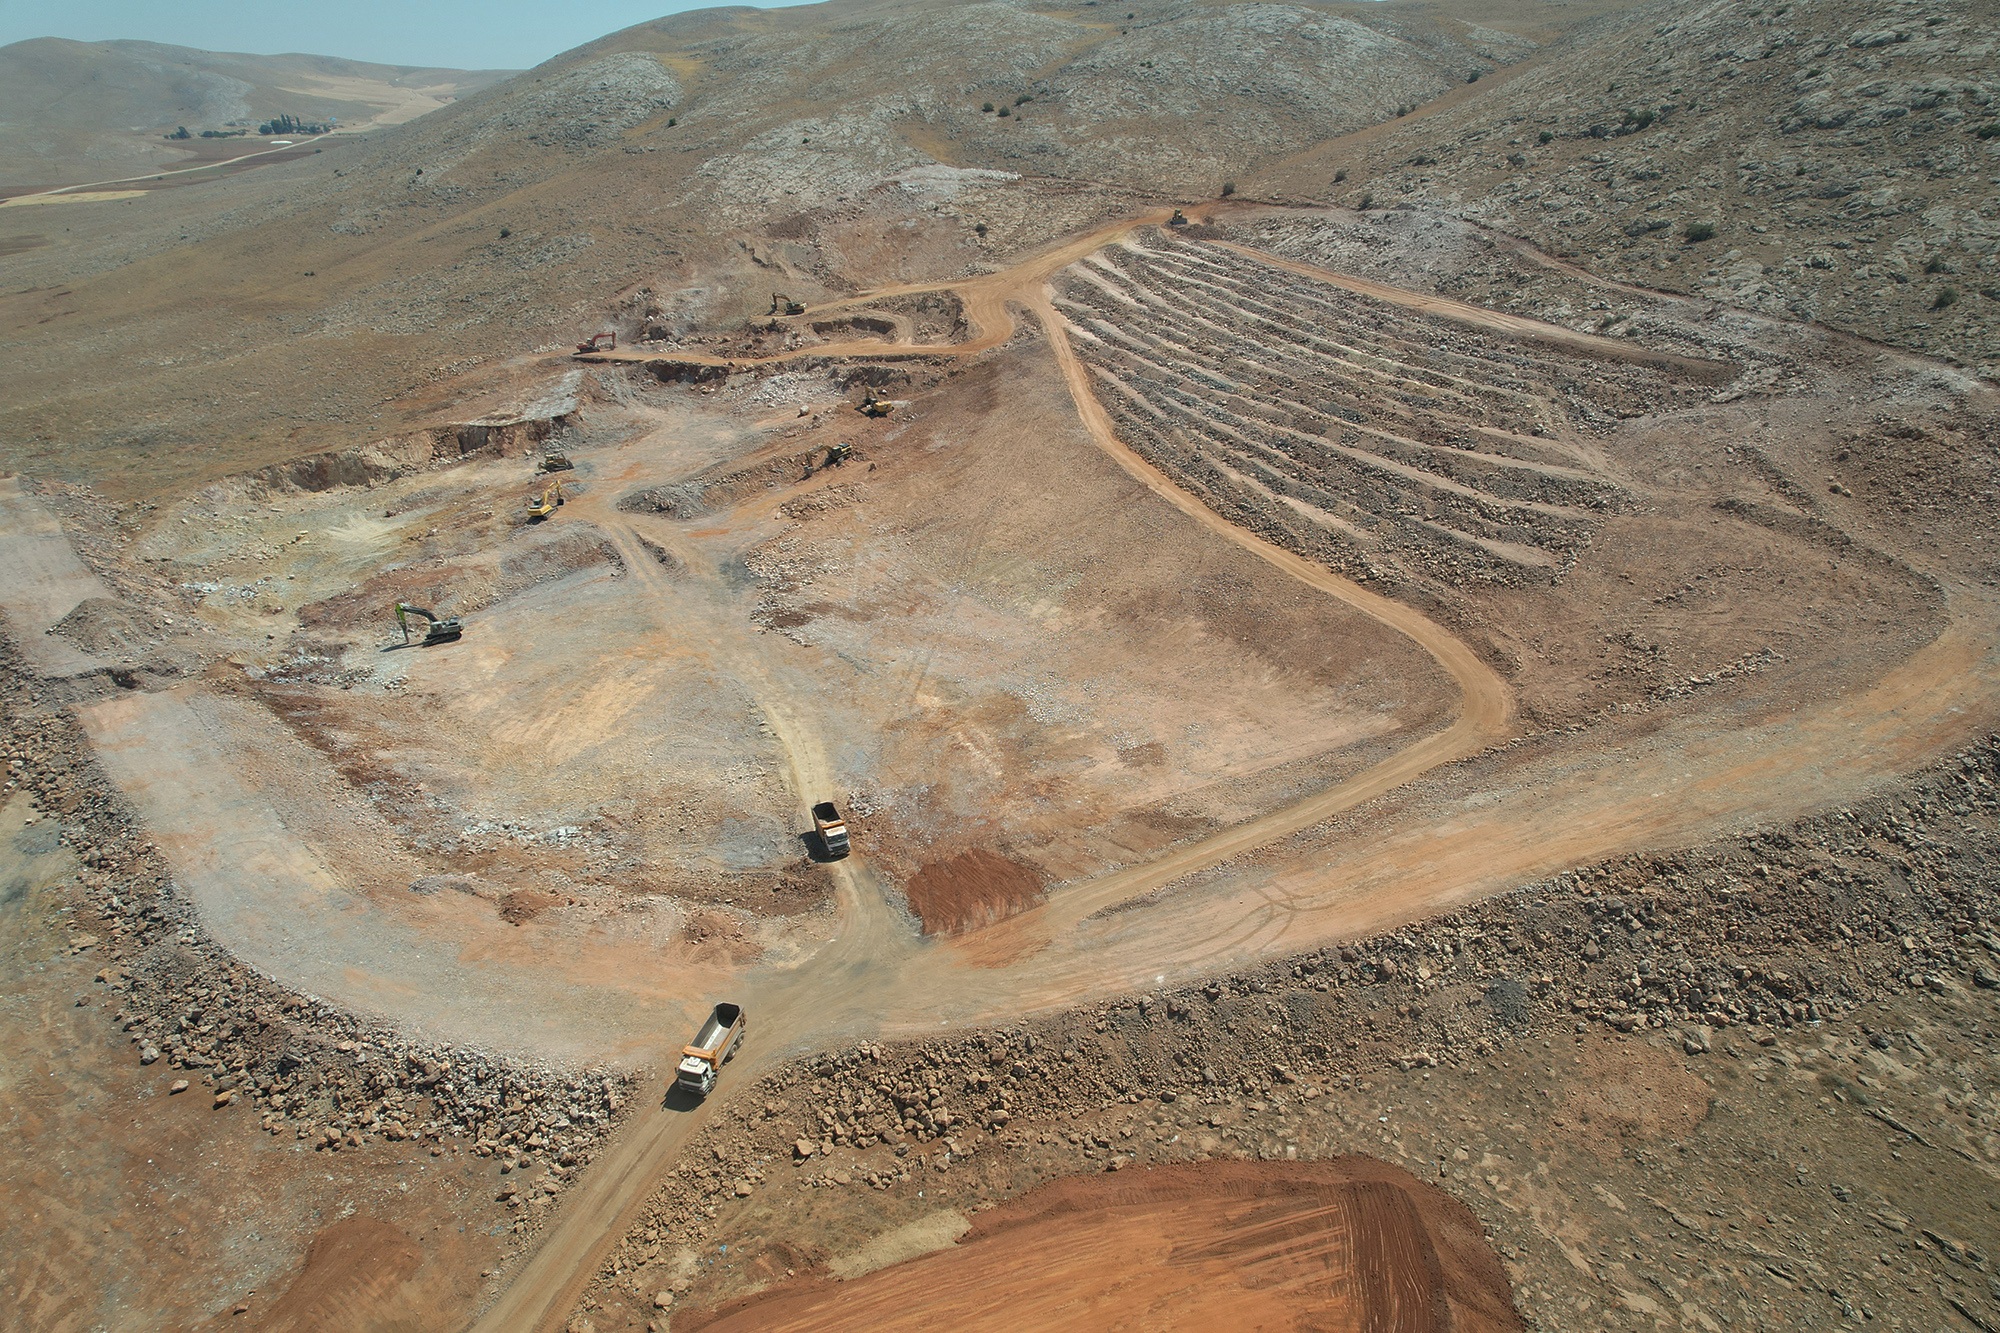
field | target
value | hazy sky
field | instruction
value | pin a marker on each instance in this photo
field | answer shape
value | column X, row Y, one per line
column 454, row 34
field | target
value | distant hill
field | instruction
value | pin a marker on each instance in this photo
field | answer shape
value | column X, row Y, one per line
column 78, row 111
column 670, row 176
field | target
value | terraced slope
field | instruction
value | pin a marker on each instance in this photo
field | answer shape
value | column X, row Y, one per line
column 1377, row 436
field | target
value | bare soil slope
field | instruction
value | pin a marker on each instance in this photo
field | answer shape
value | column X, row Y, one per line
column 1347, row 1243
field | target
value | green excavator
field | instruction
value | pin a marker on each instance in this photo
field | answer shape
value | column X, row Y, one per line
column 437, row 629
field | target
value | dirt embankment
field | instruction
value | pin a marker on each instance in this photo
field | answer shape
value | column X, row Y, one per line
column 453, row 580
column 401, row 455
column 1350, row 1243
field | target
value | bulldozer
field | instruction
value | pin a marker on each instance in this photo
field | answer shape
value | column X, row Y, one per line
column 780, row 301
column 1179, row 219
column 436, row 629
column 874, row 406
column 541, row 506
column 602, row 342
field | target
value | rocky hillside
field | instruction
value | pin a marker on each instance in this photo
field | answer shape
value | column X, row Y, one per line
column 762, row 116
column 1827, row 160
column 708, row 158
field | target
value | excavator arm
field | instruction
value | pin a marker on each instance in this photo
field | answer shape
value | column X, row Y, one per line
column 437, row 629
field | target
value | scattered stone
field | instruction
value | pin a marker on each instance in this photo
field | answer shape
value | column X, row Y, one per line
column 178, row 1085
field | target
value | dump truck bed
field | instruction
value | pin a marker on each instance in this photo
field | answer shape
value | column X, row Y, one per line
column 831, row 828
column 716, row 1030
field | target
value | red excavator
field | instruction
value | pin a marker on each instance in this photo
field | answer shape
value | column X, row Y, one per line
column 603, row 342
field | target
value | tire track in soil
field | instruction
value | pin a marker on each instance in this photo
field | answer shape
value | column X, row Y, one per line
column 806, row 1000
column 1485, row 713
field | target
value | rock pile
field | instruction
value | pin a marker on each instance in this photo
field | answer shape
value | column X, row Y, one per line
column 331, row 1077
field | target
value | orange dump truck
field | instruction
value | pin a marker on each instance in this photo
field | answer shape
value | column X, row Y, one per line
column 703, row 1058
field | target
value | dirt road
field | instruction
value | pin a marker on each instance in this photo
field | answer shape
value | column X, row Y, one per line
column 290, row 148
column 1496, row 321
column 1244, row 892
column 1484, row 717
column 1068, row 949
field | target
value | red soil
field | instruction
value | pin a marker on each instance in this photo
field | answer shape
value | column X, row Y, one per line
column 1348, row 1244
column 970, row 890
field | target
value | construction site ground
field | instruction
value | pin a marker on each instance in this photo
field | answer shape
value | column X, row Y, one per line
column 1201, row 606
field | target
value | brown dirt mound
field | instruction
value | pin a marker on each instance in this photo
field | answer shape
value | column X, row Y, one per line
column 105, row 627
column 523, row 905
column 353, row 1270
column 970, row 890
column 1348, row 1244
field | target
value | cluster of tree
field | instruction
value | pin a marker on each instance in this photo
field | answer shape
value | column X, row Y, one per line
column 290, row 125
column 222, row 134
column 179, row 133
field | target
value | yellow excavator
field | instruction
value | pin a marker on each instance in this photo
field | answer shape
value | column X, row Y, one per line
column 436, row 629
column 780, row 301
column 873, row 406
column 541, row 506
